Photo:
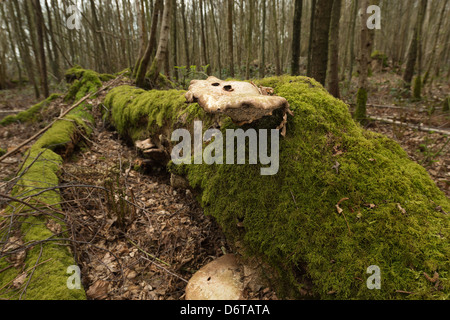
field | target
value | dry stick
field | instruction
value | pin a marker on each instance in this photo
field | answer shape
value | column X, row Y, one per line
column 417, row 127
column 12, row 152
column 145, row 252
column 165, row 269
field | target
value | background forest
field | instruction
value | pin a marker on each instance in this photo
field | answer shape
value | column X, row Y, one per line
column 243, row 39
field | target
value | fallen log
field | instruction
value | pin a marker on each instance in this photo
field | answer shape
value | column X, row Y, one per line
column 289, row 219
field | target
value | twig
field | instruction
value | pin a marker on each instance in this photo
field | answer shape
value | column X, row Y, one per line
column 417, row 127
column 165, row 269
column 145, row 252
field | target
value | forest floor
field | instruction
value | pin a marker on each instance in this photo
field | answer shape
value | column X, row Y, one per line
column 152, row 250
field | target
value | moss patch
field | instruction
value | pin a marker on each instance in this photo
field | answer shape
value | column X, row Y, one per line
column 40, row 171
column 291, row 219
column 32, row 114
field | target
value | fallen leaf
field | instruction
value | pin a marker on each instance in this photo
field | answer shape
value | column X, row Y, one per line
column 401, row 209
column 99, row 290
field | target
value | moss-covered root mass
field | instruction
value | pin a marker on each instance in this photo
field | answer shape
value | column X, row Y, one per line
column 47, row 261
column 343, row 200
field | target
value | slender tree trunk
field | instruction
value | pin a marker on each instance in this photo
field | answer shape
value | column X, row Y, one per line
column 42, row 59
column 319, row 58
column 174, row 40
column 185, row 30
column 333, row 83
column 262, row 65
column 162, row 45
column 361, row 103
column 414, row 47
column 436, row 39
column 276, row 36
column 216, row 29
column 230, row 37
column 296, row 38
column 352, row 41
column 311, row 36
column 204, row 47
column 143, row 65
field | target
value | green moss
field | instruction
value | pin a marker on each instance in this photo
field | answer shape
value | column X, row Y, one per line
column 40, row 172
column 150, row 110
column 2, row 152
column 32, row 114
column 291, row 220
column 83, row 82
column 49, row 280
column 417, row 89
column 446, row 104
column 378, row 55
column 361, row 101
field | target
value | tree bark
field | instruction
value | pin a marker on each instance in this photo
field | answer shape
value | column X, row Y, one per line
column 311, row 34
column 319, row 52
column 414, row 47
column 361, row 102
column 162, row 46
column 276, row 42
column 143, row 65
column 42, row 59
column 262, row 64
column 185, row 30
column 249, row 38
column 230, row 37
column 333, row 82
column 296, row 38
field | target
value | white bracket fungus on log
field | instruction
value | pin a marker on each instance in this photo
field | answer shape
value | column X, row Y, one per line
column 243, row 102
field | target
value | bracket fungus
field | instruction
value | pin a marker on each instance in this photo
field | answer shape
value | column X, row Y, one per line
column 243, row 102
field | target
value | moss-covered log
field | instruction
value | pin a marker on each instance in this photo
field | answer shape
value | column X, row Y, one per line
column 47, row 259
column 344, row 198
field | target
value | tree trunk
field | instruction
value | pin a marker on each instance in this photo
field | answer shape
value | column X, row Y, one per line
column 276, row 42
column 174, row 40
column 162, row 46
column 42, row 59
column 230, row 37
column 204, row 49
column 311, row 35
column 296, row 38
column 216, row 29
column 249, row 38
column 143, row 65
column 415, row 43
column 433, row 50
column 262, row 63
column 352, row 41
column 185, row 31
column 361, row 102
column 333, row 83
column 319, row 53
